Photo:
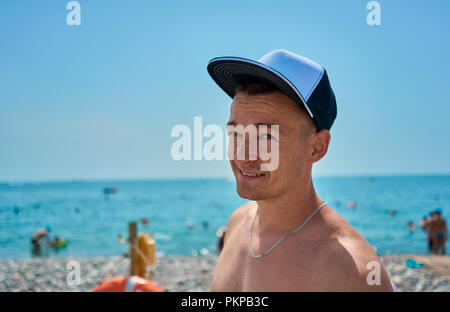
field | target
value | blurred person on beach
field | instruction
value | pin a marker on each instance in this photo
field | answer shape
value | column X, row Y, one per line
column 436, row 227
column 286, row 238
column 40, row 234
column 220, row 238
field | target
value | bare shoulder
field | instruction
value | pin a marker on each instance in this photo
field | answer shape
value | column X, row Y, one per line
column 349, row 261
column 229, row 265
column 239, row 216
column 243, row 210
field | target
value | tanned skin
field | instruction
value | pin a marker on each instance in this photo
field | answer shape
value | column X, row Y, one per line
column 328, row 254
column 436, row 225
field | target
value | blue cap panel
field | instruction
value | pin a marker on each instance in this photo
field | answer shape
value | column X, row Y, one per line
column 303, row 73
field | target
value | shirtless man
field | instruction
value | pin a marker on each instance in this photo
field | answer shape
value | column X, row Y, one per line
column 327, row 254
column 437, row 230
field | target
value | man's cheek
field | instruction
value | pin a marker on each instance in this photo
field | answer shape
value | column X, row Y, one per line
column 270, row 159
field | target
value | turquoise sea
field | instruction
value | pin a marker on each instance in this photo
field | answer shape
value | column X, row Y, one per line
column 80, row 212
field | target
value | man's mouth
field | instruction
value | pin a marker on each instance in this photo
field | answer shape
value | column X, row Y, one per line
column 249, row 175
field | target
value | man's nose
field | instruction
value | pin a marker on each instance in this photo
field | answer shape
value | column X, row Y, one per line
column 247, row 149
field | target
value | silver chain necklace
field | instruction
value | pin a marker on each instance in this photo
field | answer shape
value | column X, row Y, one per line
column 284, row 237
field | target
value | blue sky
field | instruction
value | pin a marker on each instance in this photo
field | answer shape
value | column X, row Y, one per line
column 98, row 101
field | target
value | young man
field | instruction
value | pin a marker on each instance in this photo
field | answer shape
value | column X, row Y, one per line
column 286, row 238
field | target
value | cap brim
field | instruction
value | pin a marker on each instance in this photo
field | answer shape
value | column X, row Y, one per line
column 231, row 72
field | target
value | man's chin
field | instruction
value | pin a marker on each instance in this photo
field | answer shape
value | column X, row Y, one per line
column 251, row 194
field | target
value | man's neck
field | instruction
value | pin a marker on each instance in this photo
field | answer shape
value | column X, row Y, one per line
column 290, row 210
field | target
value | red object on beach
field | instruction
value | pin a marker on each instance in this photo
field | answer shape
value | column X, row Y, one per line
column 127, row 284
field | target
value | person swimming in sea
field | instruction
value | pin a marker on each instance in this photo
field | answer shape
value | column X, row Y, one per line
column 411, row 226
column 145, row 221
column 56, row 242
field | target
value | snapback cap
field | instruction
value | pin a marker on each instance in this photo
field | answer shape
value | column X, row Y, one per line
column 303, row 80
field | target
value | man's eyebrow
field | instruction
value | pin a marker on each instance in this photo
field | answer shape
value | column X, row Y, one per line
column 268, row 124
column 233, row 123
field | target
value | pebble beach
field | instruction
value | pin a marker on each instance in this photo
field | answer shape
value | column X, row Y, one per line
column 172, row 273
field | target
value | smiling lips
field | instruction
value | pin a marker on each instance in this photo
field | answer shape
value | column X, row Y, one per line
column 248, row 175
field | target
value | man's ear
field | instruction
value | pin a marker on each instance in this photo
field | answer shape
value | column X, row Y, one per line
column 320, row 143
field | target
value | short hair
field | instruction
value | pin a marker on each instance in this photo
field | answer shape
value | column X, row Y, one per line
column 261, row 88
column 256, row 88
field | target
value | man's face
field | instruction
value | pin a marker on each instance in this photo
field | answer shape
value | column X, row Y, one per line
column 294, row 140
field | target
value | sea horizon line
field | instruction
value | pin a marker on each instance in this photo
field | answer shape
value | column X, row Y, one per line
column 199, row 178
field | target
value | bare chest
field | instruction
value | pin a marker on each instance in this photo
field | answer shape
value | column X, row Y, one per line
column 281, row 270
column 284, row 269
